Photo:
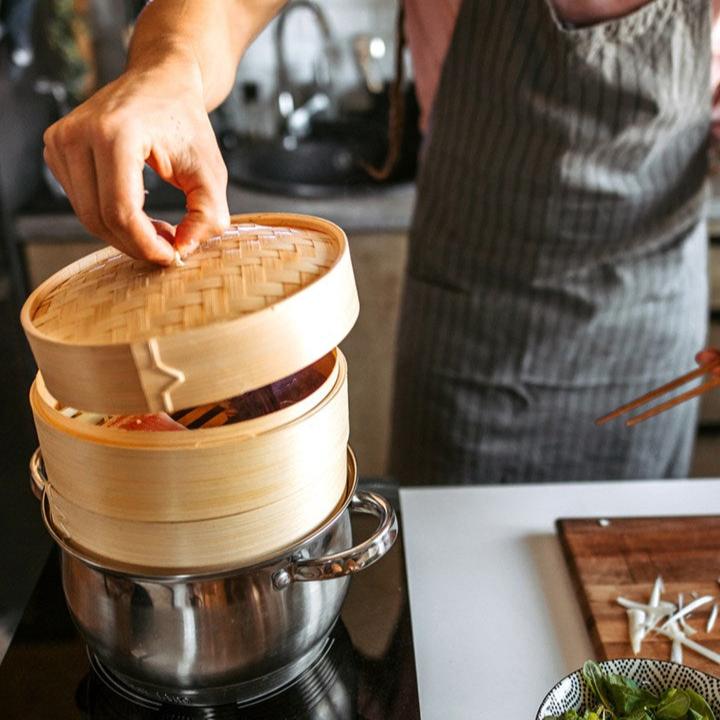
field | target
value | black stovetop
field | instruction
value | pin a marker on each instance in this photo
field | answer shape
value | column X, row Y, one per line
column 366, row 670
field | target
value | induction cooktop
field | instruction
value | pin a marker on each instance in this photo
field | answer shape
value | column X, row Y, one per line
column 365, row 669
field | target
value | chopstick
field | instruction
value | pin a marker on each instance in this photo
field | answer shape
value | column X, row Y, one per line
column 662, row 390
column 652, row 412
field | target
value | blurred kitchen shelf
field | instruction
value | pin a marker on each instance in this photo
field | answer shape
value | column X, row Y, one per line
column 386, row 208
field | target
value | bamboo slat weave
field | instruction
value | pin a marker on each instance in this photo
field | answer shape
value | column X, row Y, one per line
column 245, row 270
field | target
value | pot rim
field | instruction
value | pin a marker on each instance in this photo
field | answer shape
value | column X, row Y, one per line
column 171, row 575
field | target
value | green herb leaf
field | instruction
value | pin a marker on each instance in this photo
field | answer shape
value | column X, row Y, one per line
column 699, row 705
column 640, row 714
column 621, row 698
column 595, row 679
column 674, row 705
column 626, row 697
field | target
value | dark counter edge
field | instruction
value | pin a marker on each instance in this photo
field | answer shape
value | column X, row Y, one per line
column 356, row 210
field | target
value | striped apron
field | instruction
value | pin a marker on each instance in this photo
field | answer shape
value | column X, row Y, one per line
column 557, row 262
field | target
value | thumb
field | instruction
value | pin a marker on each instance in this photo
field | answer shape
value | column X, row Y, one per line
column 199, row 171
column 207, row 215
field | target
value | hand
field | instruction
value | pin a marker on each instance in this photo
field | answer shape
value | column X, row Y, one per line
column 98, row 152
column 709, row 355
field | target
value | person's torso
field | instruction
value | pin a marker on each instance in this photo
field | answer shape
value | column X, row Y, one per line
column 562, row 187
column 430, row 26
column 572, row 147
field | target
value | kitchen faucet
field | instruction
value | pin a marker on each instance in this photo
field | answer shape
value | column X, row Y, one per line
column 295, row 121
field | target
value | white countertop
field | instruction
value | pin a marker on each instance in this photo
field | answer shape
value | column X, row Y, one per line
column 495, row 619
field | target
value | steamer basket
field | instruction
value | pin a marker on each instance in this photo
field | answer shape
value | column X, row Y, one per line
column 295, row 457
column 118, row 336
column 194, row 547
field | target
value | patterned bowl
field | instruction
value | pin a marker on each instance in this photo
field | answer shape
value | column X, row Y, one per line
column 571, row 693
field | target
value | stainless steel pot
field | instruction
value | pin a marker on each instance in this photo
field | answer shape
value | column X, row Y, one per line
column 230, row 635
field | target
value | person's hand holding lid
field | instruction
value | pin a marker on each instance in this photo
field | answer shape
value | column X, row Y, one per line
column 182, row 64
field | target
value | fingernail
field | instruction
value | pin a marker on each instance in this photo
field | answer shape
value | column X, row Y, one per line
column 187, row 248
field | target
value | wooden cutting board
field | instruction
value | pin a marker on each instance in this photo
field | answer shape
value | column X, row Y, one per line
column 623, row 556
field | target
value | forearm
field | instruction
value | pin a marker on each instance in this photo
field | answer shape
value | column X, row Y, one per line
column 208, row 35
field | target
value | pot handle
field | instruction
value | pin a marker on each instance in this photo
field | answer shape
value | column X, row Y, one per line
column 38, row 477
column 347, row 562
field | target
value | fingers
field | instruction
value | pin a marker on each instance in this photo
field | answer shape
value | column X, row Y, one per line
column 74, row 168
column 121, row 195
column 207, row 215
column 164, row 230
column 199, row 171
column 98, row 153
column 57, row 167
column 82, row 193
column 102, row 178
column 709, row 355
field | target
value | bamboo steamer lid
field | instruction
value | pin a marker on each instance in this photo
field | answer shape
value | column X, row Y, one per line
column 299, row 452
column 270, row 296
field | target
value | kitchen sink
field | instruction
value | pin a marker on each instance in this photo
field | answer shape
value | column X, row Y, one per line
column 331, row 160
column 311, row 168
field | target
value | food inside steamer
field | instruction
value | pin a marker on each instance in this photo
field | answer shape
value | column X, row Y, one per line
column 263, row 401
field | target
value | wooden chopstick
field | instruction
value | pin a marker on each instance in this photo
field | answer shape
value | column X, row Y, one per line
column 657, row 392
column 653, row 411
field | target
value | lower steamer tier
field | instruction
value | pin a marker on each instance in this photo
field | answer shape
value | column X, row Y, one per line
column 216, row 496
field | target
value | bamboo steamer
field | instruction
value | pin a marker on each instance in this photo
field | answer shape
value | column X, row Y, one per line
column 116, row 336
column 111, row 334
column 298, row 452
column 233, row 541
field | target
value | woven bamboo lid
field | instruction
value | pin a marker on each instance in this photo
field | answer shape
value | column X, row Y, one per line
column 270, row 296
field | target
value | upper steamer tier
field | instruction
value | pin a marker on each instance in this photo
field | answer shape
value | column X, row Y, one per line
column 270, row 296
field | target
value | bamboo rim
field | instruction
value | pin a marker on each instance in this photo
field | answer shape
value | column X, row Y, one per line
column 177, row 478
column 42, row 401
column 178, row 574
column 241, row 538
column 194, row 366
